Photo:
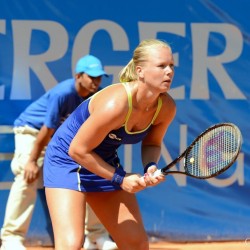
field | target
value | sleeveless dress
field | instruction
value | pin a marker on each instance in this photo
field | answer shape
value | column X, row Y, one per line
column 61, row 171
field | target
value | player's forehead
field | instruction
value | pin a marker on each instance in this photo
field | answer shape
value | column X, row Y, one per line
column 160, row 55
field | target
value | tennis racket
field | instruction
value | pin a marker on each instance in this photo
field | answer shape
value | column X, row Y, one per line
column 210, row 154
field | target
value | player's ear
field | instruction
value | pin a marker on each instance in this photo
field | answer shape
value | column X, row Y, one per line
column 140, row 72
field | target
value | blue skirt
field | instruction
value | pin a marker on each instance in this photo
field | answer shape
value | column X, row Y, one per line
column 65, row 173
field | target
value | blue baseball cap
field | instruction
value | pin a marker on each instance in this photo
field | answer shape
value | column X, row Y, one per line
column 90, row 65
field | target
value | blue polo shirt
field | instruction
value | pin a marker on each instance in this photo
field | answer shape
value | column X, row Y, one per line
column 52, row 108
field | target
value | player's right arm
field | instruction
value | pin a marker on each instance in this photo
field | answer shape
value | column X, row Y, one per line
column 108, row 110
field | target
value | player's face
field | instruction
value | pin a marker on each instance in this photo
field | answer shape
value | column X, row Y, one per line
column 90, row 83
column 158, row 70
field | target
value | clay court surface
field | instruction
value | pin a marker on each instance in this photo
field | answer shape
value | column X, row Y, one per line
column 240, row 245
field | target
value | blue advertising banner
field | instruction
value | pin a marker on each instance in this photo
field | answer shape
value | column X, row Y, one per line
column 40, row 42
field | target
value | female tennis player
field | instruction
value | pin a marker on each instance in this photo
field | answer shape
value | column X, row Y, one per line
column 81, row 162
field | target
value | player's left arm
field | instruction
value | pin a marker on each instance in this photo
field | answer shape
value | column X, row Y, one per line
column 151, row 145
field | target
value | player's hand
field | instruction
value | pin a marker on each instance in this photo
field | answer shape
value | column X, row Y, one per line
column 152, row 180
column 133, row 183
column 31, row 172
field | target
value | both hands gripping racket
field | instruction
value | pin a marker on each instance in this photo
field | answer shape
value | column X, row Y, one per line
column 210, row 154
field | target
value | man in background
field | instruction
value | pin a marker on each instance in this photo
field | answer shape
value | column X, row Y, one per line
column 33, row 130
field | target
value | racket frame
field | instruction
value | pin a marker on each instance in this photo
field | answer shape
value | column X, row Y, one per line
column 165, row 169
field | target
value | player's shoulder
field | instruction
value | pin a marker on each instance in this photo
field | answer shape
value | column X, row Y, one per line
column 168, row 100
column 113, row 88
column 168, row 108
column 113, row 92
column 113, row 98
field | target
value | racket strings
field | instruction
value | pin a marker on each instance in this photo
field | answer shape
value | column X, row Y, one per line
column 213, row 151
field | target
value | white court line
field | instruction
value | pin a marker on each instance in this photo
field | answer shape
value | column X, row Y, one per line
column 4, row 129
column 5, row 185
column 6, row 156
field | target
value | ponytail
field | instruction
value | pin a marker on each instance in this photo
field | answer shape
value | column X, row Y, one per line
column 128, row 72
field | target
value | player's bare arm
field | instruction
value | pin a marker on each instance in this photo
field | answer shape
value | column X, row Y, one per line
column 151, row 145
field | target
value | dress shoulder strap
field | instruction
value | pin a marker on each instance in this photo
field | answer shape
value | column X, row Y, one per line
column 125, row 84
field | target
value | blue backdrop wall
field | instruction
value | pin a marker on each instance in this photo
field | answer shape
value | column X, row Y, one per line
column 40, row 41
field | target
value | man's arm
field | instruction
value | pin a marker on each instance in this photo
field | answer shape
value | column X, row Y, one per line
column 31, row 170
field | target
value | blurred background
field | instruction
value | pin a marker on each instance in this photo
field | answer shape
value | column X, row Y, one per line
column 40, row 42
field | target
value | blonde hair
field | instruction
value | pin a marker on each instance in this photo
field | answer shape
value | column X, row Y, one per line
column 140, row 55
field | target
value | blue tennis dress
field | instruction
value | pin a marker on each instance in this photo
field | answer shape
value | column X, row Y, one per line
column 61, row 171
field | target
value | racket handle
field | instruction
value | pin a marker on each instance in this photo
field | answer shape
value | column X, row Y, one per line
column 157, row 172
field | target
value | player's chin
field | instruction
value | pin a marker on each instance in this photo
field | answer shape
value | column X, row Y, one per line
column 165, row 89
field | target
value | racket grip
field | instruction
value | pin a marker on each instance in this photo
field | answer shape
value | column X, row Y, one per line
column 157, row 173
